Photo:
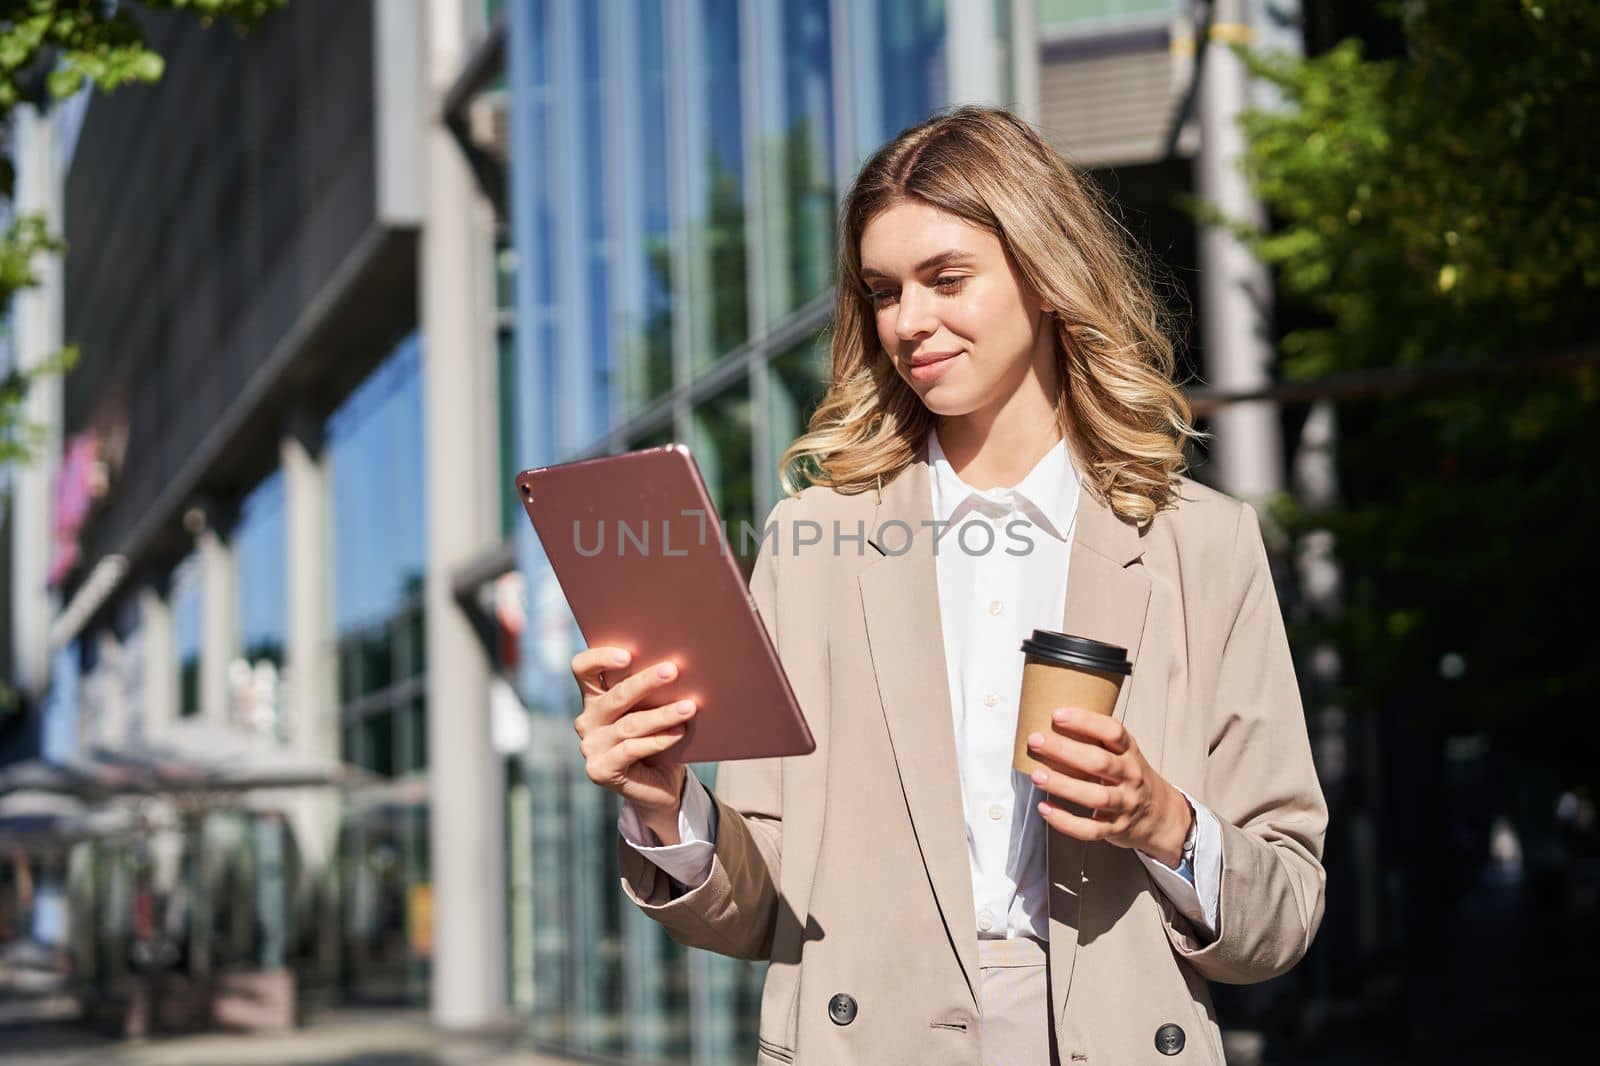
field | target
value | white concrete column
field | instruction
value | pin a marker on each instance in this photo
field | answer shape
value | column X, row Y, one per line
column 310, row 682
column 1023, row 77
column 972, row 53
column 219, row 615
column 36, row 321
column 158, row 646
column 1235, row 289
column 465, row 779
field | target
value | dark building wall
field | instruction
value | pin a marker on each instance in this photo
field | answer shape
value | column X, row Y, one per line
column 205, row 217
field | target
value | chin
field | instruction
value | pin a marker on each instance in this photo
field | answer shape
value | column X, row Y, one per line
column 946, row 400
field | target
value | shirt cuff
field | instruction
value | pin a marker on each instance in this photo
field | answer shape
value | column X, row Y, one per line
column 688, row 862
column 1194, row 889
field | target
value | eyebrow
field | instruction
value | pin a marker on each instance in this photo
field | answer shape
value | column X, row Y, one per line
column 944, row 258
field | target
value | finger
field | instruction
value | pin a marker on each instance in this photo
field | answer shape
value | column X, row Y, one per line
column 623, row 696
column 614, row 764
column 616, row 700
column 1101, row 729
column 590, row 663
column 1073, row 825
column 1085, row 794
column 1076, row 757
column 641, row 723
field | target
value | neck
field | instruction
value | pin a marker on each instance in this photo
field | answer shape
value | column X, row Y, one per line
column 995, row 447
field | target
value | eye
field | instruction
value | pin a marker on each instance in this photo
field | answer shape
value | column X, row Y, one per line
column 950, row 283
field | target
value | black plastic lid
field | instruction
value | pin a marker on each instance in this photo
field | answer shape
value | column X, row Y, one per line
column 1081, row 652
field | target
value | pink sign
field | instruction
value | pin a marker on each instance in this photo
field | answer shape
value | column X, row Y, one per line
column 81, row 480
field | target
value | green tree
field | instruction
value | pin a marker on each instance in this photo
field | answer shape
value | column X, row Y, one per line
column 1441, row 211
column 49, row 50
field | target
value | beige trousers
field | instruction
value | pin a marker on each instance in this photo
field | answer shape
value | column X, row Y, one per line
column 1015, row 1029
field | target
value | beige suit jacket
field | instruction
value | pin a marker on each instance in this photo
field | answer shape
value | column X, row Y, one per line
column 848, row 870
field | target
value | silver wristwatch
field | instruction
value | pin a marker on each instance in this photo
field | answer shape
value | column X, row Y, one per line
column 1187, row 858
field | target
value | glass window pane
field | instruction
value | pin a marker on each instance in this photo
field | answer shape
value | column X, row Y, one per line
column 797, row 155
column 377, row 659
column 377, row 742
column 510, row 460
column 592, row 125
column 555, row 948
column 412, row 650
column 416, row 726
column 189, row 686
column 258, row 545
column 350, row 682
column 375, row 466
column 350, row 739
column 185, row 598
column 722, row 446
column 907, row 38
column 654, row 439
column 644, row 341
column 529, row 51
column 716, row 172
column 795, row 387
column 505, row 273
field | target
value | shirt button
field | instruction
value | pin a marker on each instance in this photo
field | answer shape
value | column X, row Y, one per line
column 996, row 811
column 994, row 606
column 985, row 921
column 990, row 700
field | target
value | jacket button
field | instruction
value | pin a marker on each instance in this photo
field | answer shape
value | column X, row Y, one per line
column 1169, row 1039
column 842, row 1009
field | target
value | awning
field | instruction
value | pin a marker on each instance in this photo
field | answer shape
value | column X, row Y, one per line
column 198, row 756
column 86, row 781
column 32, row 818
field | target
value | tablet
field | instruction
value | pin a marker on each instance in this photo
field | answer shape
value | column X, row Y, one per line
column 644, row 563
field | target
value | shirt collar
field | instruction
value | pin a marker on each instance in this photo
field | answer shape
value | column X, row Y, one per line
column 1048, row 495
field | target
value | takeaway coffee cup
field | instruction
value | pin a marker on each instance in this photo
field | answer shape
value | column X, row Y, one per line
column 1061, row 670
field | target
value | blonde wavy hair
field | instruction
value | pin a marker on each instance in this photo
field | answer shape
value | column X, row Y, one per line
column 1126, row 420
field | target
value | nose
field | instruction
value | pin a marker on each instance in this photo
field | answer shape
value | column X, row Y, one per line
column 915, row 319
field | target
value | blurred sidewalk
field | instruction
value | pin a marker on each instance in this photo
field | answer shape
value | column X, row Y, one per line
column 48, row 1034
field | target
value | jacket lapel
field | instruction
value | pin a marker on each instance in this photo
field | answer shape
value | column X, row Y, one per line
column 900, row 597
column 1107, row 596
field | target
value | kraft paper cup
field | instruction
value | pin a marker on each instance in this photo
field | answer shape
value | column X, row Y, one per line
column 1061, row 670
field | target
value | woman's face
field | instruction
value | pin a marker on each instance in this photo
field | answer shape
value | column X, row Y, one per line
column 952, row 312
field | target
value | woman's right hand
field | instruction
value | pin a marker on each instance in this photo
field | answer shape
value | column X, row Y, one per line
column 626, row 739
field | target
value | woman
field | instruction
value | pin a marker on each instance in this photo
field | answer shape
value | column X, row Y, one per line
column 998, row 361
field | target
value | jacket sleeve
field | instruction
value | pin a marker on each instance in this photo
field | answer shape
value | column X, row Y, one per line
column 734, row 911
column 1262, row 785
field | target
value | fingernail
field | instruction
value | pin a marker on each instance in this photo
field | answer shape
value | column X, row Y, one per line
column 666, row 670
column 1044, row 808
column 686, row 708
column 1040, row 777
column 1035, row 739
column 1060, row 714
column 619, row 658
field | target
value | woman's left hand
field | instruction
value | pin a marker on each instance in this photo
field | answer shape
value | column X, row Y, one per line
column 1097, row 765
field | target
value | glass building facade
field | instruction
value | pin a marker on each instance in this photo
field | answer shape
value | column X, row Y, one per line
column 185, row 592
column 262, row 607
column 675, row 181
column 377, row 497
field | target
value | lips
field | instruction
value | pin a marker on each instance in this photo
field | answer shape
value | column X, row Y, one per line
column 929, row 367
